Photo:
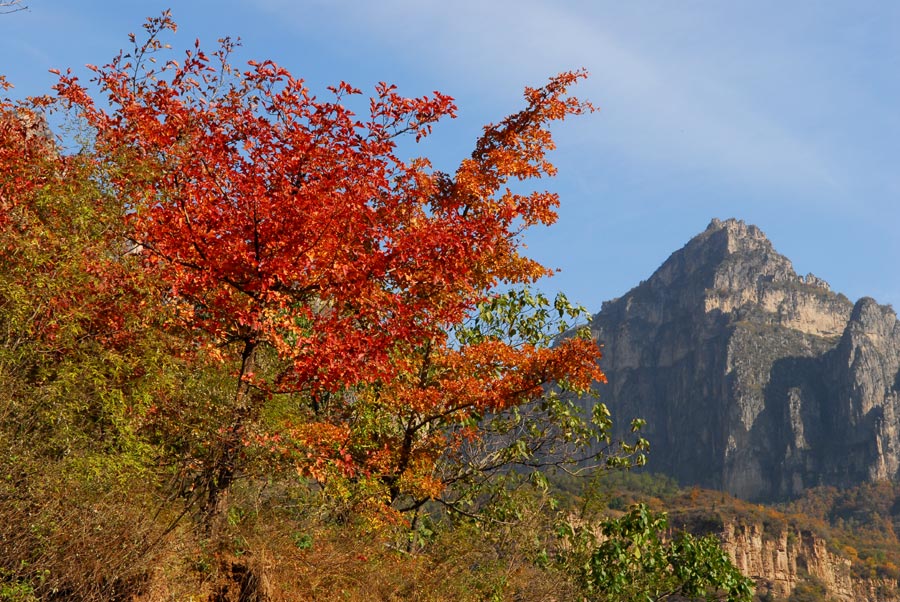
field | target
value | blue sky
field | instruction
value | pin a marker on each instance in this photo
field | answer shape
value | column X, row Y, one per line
column 784, row 114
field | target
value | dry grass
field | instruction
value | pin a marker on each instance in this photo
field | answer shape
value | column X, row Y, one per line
column 110, row 547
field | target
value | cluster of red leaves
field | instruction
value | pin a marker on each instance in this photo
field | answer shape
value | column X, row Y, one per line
column 448, row 387
column 292, row 221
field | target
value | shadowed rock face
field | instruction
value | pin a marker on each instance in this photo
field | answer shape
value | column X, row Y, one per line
column 751, row 378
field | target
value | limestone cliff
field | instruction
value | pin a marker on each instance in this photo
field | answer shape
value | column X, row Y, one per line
column 783, row 562
column 753, row 379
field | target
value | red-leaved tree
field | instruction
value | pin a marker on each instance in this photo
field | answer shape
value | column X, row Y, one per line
column 298, row 247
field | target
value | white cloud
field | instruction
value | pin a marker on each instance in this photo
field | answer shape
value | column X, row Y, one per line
column 664, row 105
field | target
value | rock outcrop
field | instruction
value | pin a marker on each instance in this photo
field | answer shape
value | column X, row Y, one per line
column 753, row 379
column 780, row 563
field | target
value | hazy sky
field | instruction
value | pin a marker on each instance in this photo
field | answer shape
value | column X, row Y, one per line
column 784, row 114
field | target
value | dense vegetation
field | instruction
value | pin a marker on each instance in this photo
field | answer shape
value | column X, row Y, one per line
column 861, row 523
column 247, row 352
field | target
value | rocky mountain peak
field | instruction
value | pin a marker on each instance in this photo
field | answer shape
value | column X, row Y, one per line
column 740, row 236
column 871, row 317
column 752, row 378
column 715, row 248
column 732, row 268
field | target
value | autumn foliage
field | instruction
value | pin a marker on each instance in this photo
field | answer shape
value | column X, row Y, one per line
column 239, row 301
column 284, row 224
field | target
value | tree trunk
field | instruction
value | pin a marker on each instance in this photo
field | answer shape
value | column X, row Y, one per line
column 224, row 466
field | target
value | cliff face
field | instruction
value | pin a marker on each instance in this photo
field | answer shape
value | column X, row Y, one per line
column 780, row 564
column 753, row 379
